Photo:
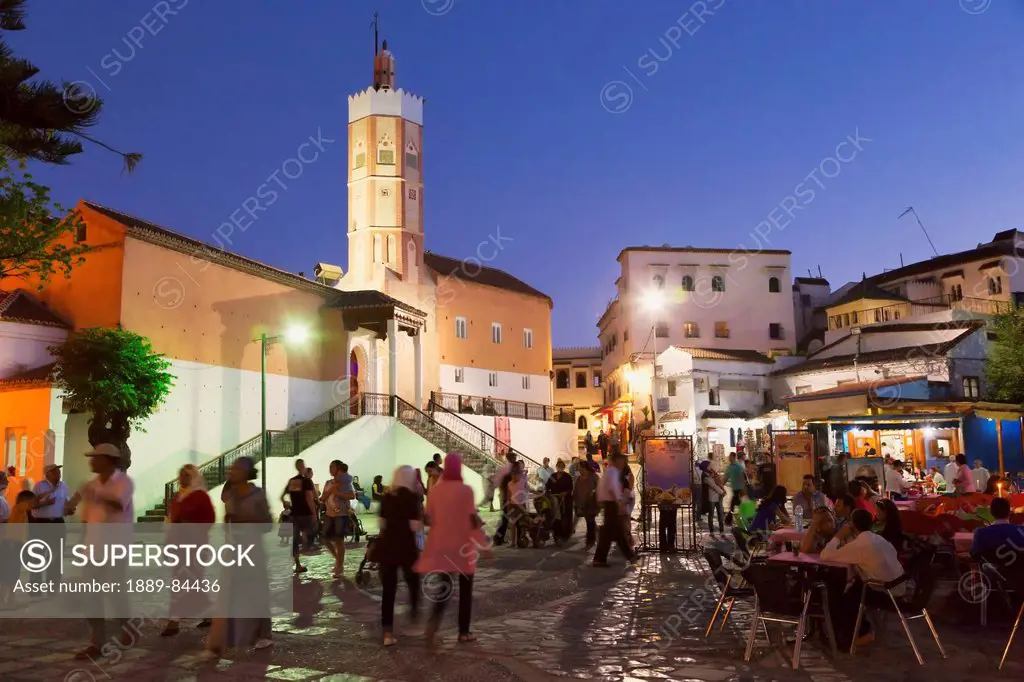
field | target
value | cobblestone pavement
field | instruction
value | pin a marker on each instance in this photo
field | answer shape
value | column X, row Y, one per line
column 538, row 614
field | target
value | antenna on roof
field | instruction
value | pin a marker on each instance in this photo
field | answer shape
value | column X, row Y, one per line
column 809, row 273
column 819, row 273
column 901, row 259
column 376, row 33
column 910, row 209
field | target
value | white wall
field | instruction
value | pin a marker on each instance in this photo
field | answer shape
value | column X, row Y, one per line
column 210, row 410
column 510, row 385
column 370, row 446
column 534, row 438
column 24, row 346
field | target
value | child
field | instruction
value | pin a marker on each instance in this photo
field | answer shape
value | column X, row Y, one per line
column 284, row 527
column 14, row 534
column 748, row 509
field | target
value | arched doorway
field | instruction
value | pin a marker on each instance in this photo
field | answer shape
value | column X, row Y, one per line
column 353, row 376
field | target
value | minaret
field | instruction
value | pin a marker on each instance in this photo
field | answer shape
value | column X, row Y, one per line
column 385, row 180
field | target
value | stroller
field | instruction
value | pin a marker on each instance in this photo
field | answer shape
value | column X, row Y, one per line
column 541, row 524
column 367, row 567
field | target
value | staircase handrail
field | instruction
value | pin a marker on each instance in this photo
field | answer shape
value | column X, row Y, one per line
column 171, row 487
column 499, row 445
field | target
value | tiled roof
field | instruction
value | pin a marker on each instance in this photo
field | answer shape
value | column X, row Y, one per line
column 19, row 306
column 726, row 354
column 866, row 290
column 576, row 353
column 481, row 274
column 856, row 388
column 146, row 231
column 30, row 376
column 1001, row 245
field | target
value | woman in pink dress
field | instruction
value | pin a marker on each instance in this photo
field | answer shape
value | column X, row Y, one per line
column 453, row 545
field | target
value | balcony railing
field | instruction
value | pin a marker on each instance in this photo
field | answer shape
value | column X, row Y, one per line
column 471, row 404
column 906, row 310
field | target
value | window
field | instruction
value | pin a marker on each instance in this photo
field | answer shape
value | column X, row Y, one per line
column 526, row 382
column 386, row 157
column 773, row 285
column 972, row 388
column 461, row 328
column 527, row 338
column 713, row 396
column 412, row 161
column 767, row 393
column 385, row 191
column 995, row 285
column 492, row 379
column 495, row 332
column 671, row 388
column 846, row 319
column 625, row 335
column 581, row 379
column 659, row 282
column 853, row 317
column 81, row 232
column 721, row 330
column 359, row 160
column 561, row 379
column 717, row 283
column 956, row 293
column 412, row 194
column 690, row 330
column 597, row 379
column 581, row 423
column 392, row 250
column 800, row 390
column 460, row 375
column 805, row 299
column 687, row 283
column 378, row 248
column 661, row 330
column 775, row 330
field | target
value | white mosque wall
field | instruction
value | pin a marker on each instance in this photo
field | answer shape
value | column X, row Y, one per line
column 534, row 438
column 509, row 386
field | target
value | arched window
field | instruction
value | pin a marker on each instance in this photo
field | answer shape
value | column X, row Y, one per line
column 378, row 249
column 659, row 282
column 773, row 285
column 687, row 283
column 562, row 379
column 717, row 283
column 995, row 285
column 392, row 250
column 581, row 423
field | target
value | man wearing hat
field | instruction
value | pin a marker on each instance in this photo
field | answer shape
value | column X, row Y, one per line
column 106, row 499
column 51, row 499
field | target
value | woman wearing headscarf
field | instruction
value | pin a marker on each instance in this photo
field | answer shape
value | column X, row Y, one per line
column 452, row 547
column 189, row 519
column 247, row 513
column 560, row 485
column 395, row 547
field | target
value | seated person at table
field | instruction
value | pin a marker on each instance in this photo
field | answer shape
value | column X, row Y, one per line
column 861, row 498
column 938, row 481
column 1002, row 542
column 844, row 508
column 873, row 558
column 772, row 510
column 887, row 523
column 809, row 498
column 821, row 530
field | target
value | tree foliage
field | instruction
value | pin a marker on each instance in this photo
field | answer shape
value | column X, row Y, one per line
column 38, row 118
column 37, row 237
column 115, row 375
column 1004, row 372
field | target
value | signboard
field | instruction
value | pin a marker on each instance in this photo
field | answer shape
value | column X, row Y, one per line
column 749, row 385
column 668, row 469
column 794, row 458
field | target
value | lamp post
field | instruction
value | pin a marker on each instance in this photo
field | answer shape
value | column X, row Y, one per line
column 295, row 335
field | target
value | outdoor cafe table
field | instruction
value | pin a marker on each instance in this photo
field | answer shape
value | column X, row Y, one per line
column 962, row 541
column 785, row 534
column 809, row 560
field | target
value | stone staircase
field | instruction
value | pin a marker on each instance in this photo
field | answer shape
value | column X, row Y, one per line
column 476, row 446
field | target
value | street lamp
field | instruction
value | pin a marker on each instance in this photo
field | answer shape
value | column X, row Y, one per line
column 654, row 302
column 293, row 335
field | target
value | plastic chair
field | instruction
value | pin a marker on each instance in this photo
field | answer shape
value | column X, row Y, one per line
column 731, row 584
column 780, row 597
column 921, row 571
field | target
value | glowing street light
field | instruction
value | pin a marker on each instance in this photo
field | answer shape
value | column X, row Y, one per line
column 654, row 300
column 294, row 334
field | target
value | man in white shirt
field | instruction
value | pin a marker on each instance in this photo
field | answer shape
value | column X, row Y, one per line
column 894, row 481
column 938, row 479
column 874, row 559
column 51, row 499
column 980, row 475
column 611, row 499
column 107, row 499
column 545, row 472
column 949, row 473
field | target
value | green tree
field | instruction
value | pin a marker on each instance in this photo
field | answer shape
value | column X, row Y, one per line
column 38, row 118
column 37, row 237
column 1004, row 372
column 115, row 375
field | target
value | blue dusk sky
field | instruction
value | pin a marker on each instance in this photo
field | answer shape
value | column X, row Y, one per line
column 578, row 127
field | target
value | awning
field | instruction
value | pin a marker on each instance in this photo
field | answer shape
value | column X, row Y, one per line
column 676, row 416
column 724, row 414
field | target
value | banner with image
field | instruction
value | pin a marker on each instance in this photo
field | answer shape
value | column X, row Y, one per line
column 668, row 469
column 794, row 458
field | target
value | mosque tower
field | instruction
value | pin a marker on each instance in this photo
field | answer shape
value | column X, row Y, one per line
column 385, row 180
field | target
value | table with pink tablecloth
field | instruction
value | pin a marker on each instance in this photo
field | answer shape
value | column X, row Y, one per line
column 905, row 504
column 785, row 534
column 808, row 559
column 962, row 541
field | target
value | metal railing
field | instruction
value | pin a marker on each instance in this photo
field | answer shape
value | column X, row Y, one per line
column 907, row 310
column 472, row 434
column 471, row 404
column 287, row 443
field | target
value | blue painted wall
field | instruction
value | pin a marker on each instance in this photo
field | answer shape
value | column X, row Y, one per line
column 981, row 442
column 1013, row 456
